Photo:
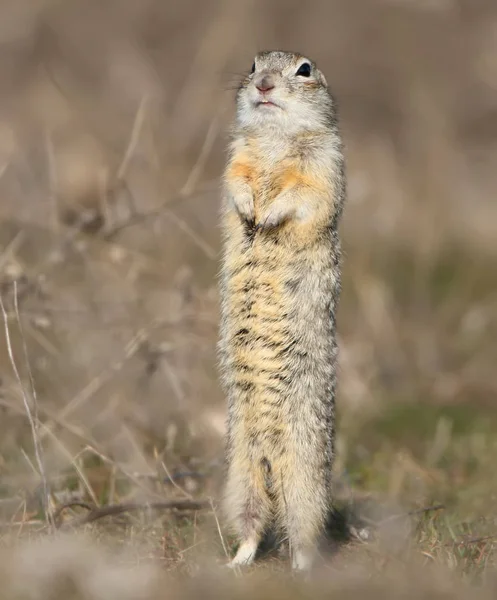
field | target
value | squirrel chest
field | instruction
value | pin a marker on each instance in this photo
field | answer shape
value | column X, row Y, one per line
column 269, row 178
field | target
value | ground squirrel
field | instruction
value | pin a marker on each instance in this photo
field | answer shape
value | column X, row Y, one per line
column 279, row 284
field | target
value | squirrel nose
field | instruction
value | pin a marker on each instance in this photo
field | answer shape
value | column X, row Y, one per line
column 265, row 84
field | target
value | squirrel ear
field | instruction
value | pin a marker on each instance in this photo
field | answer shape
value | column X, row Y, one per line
column 323, row 79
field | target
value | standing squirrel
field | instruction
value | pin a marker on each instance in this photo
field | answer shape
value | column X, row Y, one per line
column 284, row 189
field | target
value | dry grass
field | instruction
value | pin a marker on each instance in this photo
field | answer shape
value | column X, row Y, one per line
column 112, row 132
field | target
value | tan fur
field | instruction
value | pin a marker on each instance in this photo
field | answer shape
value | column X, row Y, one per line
column 280, row 283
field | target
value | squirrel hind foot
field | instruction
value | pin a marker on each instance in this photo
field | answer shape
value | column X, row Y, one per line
column 245, row 554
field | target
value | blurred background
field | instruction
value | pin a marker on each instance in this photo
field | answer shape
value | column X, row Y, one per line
column 114, row 118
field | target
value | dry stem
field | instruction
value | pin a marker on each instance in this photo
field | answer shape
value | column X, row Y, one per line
column 32, row 417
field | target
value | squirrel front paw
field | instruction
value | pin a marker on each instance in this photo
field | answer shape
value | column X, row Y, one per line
column 244, row 206
column 277, row 213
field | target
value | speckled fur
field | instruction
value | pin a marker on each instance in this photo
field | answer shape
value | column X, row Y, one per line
column 280, row 282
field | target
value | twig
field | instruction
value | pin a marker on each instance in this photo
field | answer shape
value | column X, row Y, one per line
column 417, row 511
column 72, row 504
column 133, row 140
column 96, row 513
column 223, row 543
column 172, row 477
column 179, row 488
column 3, row 168
column 29, row 461
column 100, row 380
column 130, row 476
column 53, row 417
column 31, row 523
column 36, row 420
column 57, row 514
column 184, row 475
column 31, row 418
column 130, row 150
column 73, row 461
column 112, row 484
column 183, row 225
column 209, row 140
column 52, row 176
column 475, row 540
column 420, row 511
column 11, row 248
column 23, row 518
column 174, row 381
column 165, row 208
column 103, row 186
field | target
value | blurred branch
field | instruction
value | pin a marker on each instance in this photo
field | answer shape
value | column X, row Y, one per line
column 11, row 248
column 94, row 514
column 186, row 191
column 165, row 209
column 209, row 140
column 100, row 380
column 411, row 513
column 171, row 479
column 73, row 462
column 223, row 543
column 73, row 504
column 134, row 137
column 183, row 225
column 470, row 541
column 52, row 177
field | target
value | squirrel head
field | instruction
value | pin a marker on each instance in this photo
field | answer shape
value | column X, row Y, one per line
column 284, row 90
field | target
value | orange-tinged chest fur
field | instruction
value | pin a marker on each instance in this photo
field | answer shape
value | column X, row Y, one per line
column 268, row 179
column 292, row 172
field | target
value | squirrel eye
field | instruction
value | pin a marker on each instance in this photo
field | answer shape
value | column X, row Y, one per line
column 304, row 70
column 253, row 68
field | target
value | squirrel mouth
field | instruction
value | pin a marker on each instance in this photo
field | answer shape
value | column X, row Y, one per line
column 267, row 103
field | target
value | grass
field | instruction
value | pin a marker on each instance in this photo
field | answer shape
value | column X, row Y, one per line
column 419, row 481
